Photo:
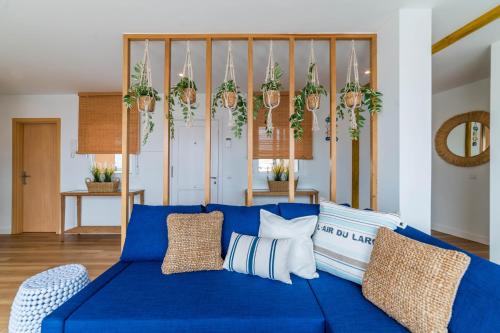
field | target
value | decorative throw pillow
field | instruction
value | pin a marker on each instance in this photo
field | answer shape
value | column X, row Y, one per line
column 299, row 230
column 193, row 243
column 344, row 239
column 265, row 257
column 413, row 282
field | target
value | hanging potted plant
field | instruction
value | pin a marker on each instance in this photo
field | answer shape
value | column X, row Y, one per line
column 270, row 98
column 308, row 98
column 183, row 94
column 141, row 91
column 230, row 98
column 356, row 99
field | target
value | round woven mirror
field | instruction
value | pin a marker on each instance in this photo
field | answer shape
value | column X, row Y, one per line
column 464, row 140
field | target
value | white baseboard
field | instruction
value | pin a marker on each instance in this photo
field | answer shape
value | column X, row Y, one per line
column 460, row 233
column 4, row 230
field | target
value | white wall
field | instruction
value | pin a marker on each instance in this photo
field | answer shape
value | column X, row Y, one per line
column 495, row 154
column 415, row 118
column 460, row 196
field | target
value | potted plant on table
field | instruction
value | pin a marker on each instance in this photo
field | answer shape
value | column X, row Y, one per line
column 102, row 179
column 280, row 177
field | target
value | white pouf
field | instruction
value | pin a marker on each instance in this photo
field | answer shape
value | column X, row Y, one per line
column 41, row 294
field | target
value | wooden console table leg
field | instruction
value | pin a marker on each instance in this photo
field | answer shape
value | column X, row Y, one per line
column 78, row 211
column 131, row 201
column 63, row 216
column 141, row 198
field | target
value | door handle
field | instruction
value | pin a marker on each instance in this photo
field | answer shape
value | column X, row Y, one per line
column 24, row 176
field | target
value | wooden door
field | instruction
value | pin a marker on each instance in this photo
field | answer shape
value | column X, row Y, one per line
column 38, row 177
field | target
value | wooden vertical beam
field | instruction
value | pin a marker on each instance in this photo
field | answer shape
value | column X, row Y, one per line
column 355, row 174
column 291, row 140
column 125, row 143
column 468, row 139
column 249, row 197
column 373, row 130
column 208, row 118
column 166, row 124
column 333, row 120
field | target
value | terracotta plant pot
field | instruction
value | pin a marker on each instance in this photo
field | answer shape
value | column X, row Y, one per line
column 146, row 103
column 271, row 98
column 353, row 98
column 313, row 101
column 188, row 96
column 229, row 99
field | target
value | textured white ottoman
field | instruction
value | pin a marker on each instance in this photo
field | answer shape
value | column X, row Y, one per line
column 43, row 293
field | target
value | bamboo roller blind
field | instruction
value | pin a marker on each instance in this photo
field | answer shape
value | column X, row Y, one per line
column 277, row 146
column 99, row 124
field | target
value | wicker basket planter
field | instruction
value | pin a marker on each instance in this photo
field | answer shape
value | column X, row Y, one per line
column 146, row 103
column 353, row 98
column 313, row 101
column 102, row 186
column 279, row 185
column 188, row 96
column 229, row 99
column 271, row 98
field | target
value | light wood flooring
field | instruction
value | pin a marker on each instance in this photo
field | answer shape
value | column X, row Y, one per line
column 22, row 256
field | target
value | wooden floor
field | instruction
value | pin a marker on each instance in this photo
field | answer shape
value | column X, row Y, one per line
column 22, row 256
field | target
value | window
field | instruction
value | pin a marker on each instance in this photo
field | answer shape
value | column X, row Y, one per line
column 116, row 160
column 265, row 164
column 100, row 124
column 276, row 146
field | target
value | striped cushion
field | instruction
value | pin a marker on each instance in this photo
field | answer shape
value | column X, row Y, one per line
column 344, row 239
column 265, row 257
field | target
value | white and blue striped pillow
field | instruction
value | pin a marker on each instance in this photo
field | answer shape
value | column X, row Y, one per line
column 344, row 238
column 264, row 257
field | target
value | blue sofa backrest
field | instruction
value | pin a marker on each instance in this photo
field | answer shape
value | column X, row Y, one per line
column 241, row 219
column 147, row 238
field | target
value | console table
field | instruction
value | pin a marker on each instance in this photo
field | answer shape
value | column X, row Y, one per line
column 79, row 229
column 311, row 193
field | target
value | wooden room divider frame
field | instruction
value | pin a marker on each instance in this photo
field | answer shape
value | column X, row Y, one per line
column 250, row 38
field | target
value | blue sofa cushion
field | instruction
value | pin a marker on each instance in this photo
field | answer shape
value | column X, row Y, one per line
column 240, row 219
column 476, row 307
column 346, row 310
column 147, row 231
column 141, row 299
column 290, row 210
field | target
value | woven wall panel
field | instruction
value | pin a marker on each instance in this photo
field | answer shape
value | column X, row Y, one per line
column 277, row 146
column 100, row 125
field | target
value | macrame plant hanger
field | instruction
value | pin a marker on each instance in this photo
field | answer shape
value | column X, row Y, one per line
column 353, row 69
column 269, row 77
column 187, row 71
column 228, row 76
column 146, row 80
column 314, row 79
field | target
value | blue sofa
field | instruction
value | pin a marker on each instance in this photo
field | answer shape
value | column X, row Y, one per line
column 134, row 296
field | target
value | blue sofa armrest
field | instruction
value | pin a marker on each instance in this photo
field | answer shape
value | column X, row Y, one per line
column 477, row 304
column 54, row 322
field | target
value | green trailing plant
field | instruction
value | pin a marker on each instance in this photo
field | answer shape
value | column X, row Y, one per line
column 371, row 101
column 138, row 88
column 271, row 84
column 300, row 101
column 239, row 111
column 176, row 96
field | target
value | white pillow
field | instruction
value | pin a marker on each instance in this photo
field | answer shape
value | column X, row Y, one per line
column 264, row 257
column 301, row 259
column 344, row 239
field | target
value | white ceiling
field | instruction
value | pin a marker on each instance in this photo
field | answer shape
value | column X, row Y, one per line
column 57, row 46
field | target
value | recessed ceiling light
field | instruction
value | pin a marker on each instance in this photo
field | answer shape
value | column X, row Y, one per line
column 367, row 72
column 181, row 74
